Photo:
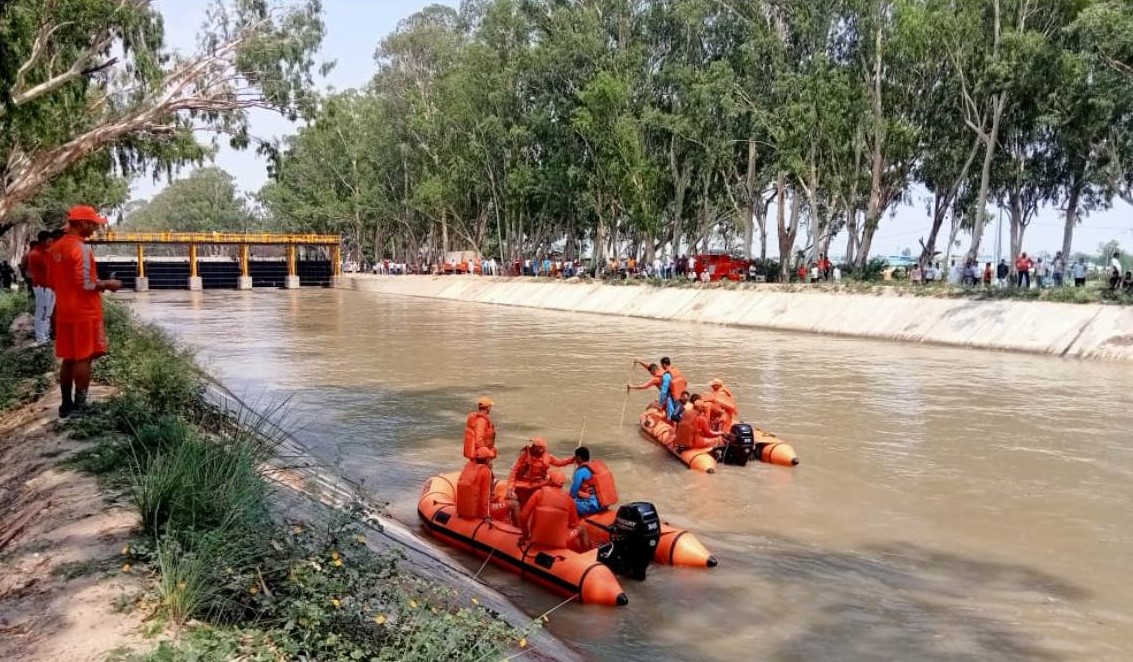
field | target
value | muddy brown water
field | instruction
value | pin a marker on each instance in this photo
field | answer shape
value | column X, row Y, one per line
column 950, row 505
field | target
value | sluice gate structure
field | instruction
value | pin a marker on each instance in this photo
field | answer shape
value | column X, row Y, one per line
column 297, row 265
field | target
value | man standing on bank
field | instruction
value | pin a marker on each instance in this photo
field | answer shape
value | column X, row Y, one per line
column 80, row 334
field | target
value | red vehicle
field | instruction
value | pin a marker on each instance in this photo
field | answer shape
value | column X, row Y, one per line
column 721, row 266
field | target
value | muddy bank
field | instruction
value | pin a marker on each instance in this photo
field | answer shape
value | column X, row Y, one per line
column 1091, row 331
column 66, row 591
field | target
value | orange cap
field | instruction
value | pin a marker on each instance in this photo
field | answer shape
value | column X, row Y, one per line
column 86, row 214
column 539, row 441
column 484, row 402
column 556, row 478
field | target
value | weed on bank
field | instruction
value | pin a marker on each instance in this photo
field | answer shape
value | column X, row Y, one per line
column 232, row 577
column 25, row 372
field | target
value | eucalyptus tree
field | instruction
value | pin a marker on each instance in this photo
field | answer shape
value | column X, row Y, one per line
column 84, row 77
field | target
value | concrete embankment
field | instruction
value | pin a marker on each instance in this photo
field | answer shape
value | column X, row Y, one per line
column 1093, row 331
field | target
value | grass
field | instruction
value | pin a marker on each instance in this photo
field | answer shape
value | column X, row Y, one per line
column 232, row 577
column 25, row 373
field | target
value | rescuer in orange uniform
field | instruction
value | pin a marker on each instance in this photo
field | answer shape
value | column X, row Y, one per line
column 479, row 431
column 80, row 334
column 722, row 406
column 474, row 494
column 532, row 466
column 694, row 430
column 550, row 518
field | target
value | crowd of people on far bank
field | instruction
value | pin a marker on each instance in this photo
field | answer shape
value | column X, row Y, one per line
column 534, row 499
column 1025, row 273
column 62, row 275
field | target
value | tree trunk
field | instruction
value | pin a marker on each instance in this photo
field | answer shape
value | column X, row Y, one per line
column 1015, row 211
column 786, row 232
column 989, row 141
column 680, row 185
column 1072, row 200
column 752, row 198
column 761, row 221
column 852, row 231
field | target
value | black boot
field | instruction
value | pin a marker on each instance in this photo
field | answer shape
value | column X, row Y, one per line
column 68, row 405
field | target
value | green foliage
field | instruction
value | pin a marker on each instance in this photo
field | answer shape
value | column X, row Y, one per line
column 205, row 201
column 25, row 374
column 89, row 90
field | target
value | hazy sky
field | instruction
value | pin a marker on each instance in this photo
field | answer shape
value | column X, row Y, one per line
column 354, row 28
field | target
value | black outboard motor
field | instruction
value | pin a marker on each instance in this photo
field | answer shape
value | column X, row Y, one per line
column 633, row 540
column 740, row 447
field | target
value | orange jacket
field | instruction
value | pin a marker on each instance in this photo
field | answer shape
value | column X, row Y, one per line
column 528, row 467
column 701, row 433
column 479, row 432
column 546, row 499
column 37, row 267
column 685, row 436
column 678, row 384
column 474, row 491
column 74, row 277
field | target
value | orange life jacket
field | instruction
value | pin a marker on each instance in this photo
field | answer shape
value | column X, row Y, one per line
column 473, row 490
column 470, row 441
column 677, row 384
column 550, row 522
column 600, row 484
column 686, row 430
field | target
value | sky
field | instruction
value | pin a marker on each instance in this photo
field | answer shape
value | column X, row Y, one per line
column 355, row 27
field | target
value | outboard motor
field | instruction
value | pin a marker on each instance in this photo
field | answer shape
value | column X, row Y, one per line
column 633, row 540
column 740, row 447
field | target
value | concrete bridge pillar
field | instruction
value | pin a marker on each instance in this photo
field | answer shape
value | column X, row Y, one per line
column 141, row 282
column 292, row 282
column 244, row 282
column 195, row 282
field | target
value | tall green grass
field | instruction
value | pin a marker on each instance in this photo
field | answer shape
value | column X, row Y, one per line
column 25, row 373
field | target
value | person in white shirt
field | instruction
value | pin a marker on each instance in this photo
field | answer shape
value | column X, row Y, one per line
column 837, row 274
column 954, row 274
column 1115, row 271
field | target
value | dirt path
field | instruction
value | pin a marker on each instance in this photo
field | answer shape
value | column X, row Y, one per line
column 64, row 594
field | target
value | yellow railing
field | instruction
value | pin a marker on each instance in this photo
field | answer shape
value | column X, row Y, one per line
column 236, row 238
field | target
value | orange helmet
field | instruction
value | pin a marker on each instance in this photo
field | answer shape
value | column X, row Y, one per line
column 539, row 442
column 716, row 383
column 556, row 478
column 85, row 214
column 484, row 402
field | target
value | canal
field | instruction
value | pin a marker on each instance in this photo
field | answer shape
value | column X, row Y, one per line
column 951, row 504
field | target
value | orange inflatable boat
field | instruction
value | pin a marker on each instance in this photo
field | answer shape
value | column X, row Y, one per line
column 746, row 443
column 675, row 547
column 660, row 430
column 563, row 571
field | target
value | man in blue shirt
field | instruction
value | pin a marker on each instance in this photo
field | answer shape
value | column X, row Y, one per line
column 581, row 486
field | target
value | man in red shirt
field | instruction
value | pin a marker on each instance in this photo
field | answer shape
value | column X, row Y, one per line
column 44, row 296
column 80, row 334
